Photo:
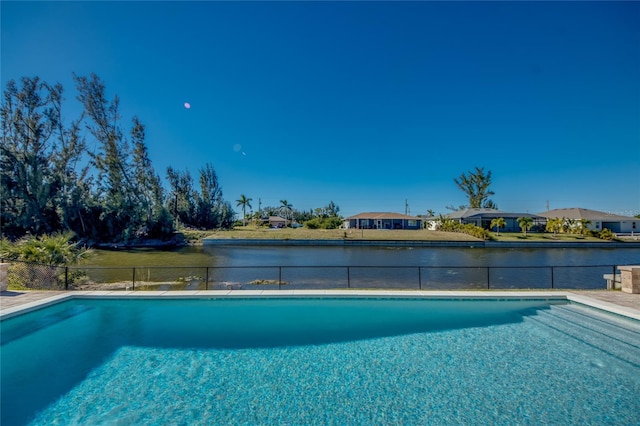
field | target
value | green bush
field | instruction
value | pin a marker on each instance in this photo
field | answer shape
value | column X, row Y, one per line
column 56, row 249
column 40, row 261
column 7, row 250
column 332, row 222
column 450, row 225
column 606, row 234
column 313, row 223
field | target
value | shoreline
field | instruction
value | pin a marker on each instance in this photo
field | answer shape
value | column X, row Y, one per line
column 415, row 243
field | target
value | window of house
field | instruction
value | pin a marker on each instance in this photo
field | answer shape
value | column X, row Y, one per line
column 597, row 224
column 364, row 222
column 411, row 222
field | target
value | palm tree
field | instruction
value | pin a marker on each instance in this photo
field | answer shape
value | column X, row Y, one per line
column 569, row 225
column 498, row 223
column 244, row 202
column 584, row 228
column 286, row 208
column 257, row 218
column 525, row 224
column 554, row 225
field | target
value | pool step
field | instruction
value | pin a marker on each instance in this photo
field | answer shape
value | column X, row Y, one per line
column 625, row 329
column 615, row 336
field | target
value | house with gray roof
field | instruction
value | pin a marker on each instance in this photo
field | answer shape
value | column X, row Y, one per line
column 483, row 218
column 379, row 220
column 275, row 221
column 597, row 220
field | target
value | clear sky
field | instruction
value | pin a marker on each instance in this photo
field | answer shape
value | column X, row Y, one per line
column 366, row 104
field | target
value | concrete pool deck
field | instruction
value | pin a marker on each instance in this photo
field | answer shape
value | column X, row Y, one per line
column 16, row 302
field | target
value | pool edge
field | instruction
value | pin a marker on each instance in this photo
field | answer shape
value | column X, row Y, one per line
column 234, row 294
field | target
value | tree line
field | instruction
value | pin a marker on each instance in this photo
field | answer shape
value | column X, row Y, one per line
column 92, row 176
column 326, row 217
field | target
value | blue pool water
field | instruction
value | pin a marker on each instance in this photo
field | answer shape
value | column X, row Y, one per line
column 319, row 361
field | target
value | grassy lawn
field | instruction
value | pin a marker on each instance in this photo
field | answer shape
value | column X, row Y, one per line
column 250, row 232
column 548, row 238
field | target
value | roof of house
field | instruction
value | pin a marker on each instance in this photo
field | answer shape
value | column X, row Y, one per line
column 276, row 219
column 472, row 212
column 579, row 213
column 383, row 215
column 488, row 213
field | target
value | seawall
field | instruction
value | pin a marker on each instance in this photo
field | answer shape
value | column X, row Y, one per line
column 403, row 243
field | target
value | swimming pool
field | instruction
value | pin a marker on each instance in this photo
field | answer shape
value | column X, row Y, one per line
column 319, row 361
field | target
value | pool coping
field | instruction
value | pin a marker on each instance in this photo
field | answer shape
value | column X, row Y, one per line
column 236, row 294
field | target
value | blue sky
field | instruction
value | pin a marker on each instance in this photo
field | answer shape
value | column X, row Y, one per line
column 366, row 104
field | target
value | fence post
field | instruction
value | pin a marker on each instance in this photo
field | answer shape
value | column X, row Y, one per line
column 552, row 279
column 206, row 281
column 133, row 280
column 488, row 277
column 279, row 277
column 348, row 277
column 419, row 278
column 66, row 278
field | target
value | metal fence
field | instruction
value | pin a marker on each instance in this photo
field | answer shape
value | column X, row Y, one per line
column 22, row 275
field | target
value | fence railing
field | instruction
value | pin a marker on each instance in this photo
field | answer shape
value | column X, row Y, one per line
column 24, row 275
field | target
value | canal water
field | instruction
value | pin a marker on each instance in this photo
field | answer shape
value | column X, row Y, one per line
column 210, row 267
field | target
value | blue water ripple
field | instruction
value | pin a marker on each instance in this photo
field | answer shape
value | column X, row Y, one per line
column 466, row 376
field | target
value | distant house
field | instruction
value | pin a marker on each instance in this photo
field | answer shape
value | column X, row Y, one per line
column 377, row 220
column 430, row 222
column 483, row 218
column 275, row 222
column 597, row 220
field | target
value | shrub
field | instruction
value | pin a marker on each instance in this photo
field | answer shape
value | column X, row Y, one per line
column 38, row 260
column 450, row 225
column 53, row 250
column 8, row 250
column 332, row 222
column 606, row 234
column 313, row 223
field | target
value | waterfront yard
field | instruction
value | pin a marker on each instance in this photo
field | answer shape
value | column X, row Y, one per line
column 250, row 232
column 543, row 237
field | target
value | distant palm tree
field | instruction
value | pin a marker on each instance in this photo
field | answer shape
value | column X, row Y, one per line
column 568, row 225
column 498, row 223
column 525, row 224
column 554, row 225
column 584, row 226
column 286, row 208
column 244, row 202
column 257, row 218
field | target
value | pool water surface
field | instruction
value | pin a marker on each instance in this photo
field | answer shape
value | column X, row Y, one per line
column 320, row 361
